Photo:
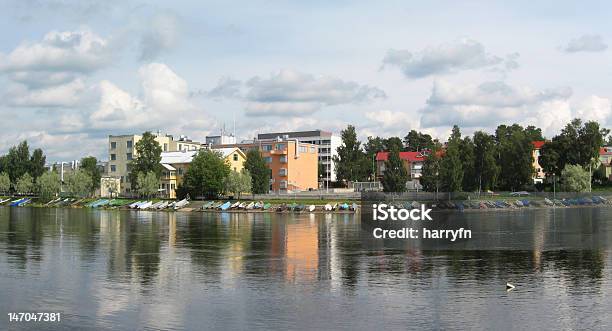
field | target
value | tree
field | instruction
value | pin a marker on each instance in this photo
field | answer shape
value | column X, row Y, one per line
column 351, row 163
column 148, row 183
column 5, row 182
column 451, row 168
column 515, row 157
column 395, row 176
column 238, row 182
column 260, row 173
column 468, row 160
column 416, row 141
column 90, row 166
column 206, row 175
column 25, row 184
column 78, row 183
column 533, row 133
column 575, row 178
column 372, row 147
column 394, row 143
column 430, row 177
column 486, row 169
column 148, row 158
column 18, row 161
column 48, row 184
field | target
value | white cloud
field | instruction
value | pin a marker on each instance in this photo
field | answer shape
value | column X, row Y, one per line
column 292, row 92
column 586, row 43
column 117, row 109
column 163, row 89
column 65, row 95
column 465, row 54
column 161, row 34
column 595, row 108
column 226, row 88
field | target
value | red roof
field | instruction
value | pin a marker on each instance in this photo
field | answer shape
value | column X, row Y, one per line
column 605, row 151
column 538, row 144
column 408, row 156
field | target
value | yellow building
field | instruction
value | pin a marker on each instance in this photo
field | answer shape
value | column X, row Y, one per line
column 122, row 150
column 176, row 164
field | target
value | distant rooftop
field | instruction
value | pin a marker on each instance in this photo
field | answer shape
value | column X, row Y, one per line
column 295, row 134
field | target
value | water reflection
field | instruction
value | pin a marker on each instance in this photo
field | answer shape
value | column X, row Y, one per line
column 179, row 270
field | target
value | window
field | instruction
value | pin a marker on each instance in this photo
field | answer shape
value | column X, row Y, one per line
column 121, row 180
column 113, row 144
column 303, row 149
column 280, row 147
column 165, row 147
column 180, row 147
column 128, row 156
column 283, row 159
column 180, row 171
column 283, row 184
column 113, row 157
column 129, row 144
column 235, row 156
column 312, row 149
column 267, row 148
column 268, row 159
column 282, row 172
column 113, row 168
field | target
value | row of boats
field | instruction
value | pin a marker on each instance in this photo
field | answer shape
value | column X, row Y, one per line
column 16, row 202
column 260, row 205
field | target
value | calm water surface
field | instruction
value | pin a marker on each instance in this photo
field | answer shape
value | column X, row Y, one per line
column 120, row 270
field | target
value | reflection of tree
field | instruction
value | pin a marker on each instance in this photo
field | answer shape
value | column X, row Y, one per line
column 206, row 239
column 143, row 248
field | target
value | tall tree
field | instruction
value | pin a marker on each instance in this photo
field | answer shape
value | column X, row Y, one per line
column 533, row 133
column 430, row 178
column 451, row 168
column 351, row 163
column 394, row 143
column 395, row 176
column 90, row 166
column 78, row 183
column 49, row 184
column 260, row 173
column 468, row 160
column 5, row 182
column 206, row 175
column 147, row 159
column 486, row 169
column 372, row 147
column 18, row 161
column 37, row 163
column 148, row 183
column 515, row 157
column 416, row 141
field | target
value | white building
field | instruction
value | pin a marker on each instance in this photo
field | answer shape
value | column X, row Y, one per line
column 328, row 145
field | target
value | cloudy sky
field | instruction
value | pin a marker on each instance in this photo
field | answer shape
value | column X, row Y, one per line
column 73, row 72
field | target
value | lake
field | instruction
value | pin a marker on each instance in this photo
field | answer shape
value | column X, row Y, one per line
column 114, row 270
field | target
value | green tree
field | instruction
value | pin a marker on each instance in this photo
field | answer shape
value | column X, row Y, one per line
column 206, row 175
column 394, row 143
column 260, row 173
column 575, row 178
column 90, row 166
column 430, row 177
column 18, row 161
column 78, row 183
column 148, row 158
column 533, row 133
column 5, row 182
column 238, row 182
column 37, row 163
column 372, row 146
column 148, row 183
column 25, row 184
column 49, row 184
column 395, row 176
column 416, row 141
column 351, row 162
column 486, row 169
column 468, row 160
column 451, row 168
column 515, row 157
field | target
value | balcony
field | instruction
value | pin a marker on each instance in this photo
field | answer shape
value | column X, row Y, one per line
column 278, row 152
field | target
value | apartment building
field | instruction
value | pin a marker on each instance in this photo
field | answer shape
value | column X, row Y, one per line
column 293, row 164
column 176, row 164
column 605, row 157
column 413, row 162
column 539, row 175
column 122, row 150
column 327, row 144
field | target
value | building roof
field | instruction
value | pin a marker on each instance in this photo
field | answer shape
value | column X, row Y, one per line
column 227, row 151
column 168, row 167
column 177, row 157
column 295, row 134
column 538, row 144
column 407, row 156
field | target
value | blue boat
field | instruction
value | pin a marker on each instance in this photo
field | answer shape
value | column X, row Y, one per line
column 24, row 202
column 16, row 202
column 225, row 206
column 525, row 203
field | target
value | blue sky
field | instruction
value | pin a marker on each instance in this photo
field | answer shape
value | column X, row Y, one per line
column 72, row 72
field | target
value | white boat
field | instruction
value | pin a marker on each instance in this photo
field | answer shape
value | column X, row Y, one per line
column 181, row 204
column 312, row 208
column 163, row 205
column 241, row 205
column 4, row 200
column 145, row 205
column 235, row 205
column 250, row 205
column 135, row 204
column 327, row 207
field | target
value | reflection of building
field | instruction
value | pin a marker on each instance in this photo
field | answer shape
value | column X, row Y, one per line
column 327, row 143
column 122, row 150
column 539, row 174
column 176, row 164
column 413, row 162
column 605, row 157
column 293, row 165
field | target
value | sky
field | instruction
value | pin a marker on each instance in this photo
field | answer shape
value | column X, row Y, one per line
column 74, row 72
